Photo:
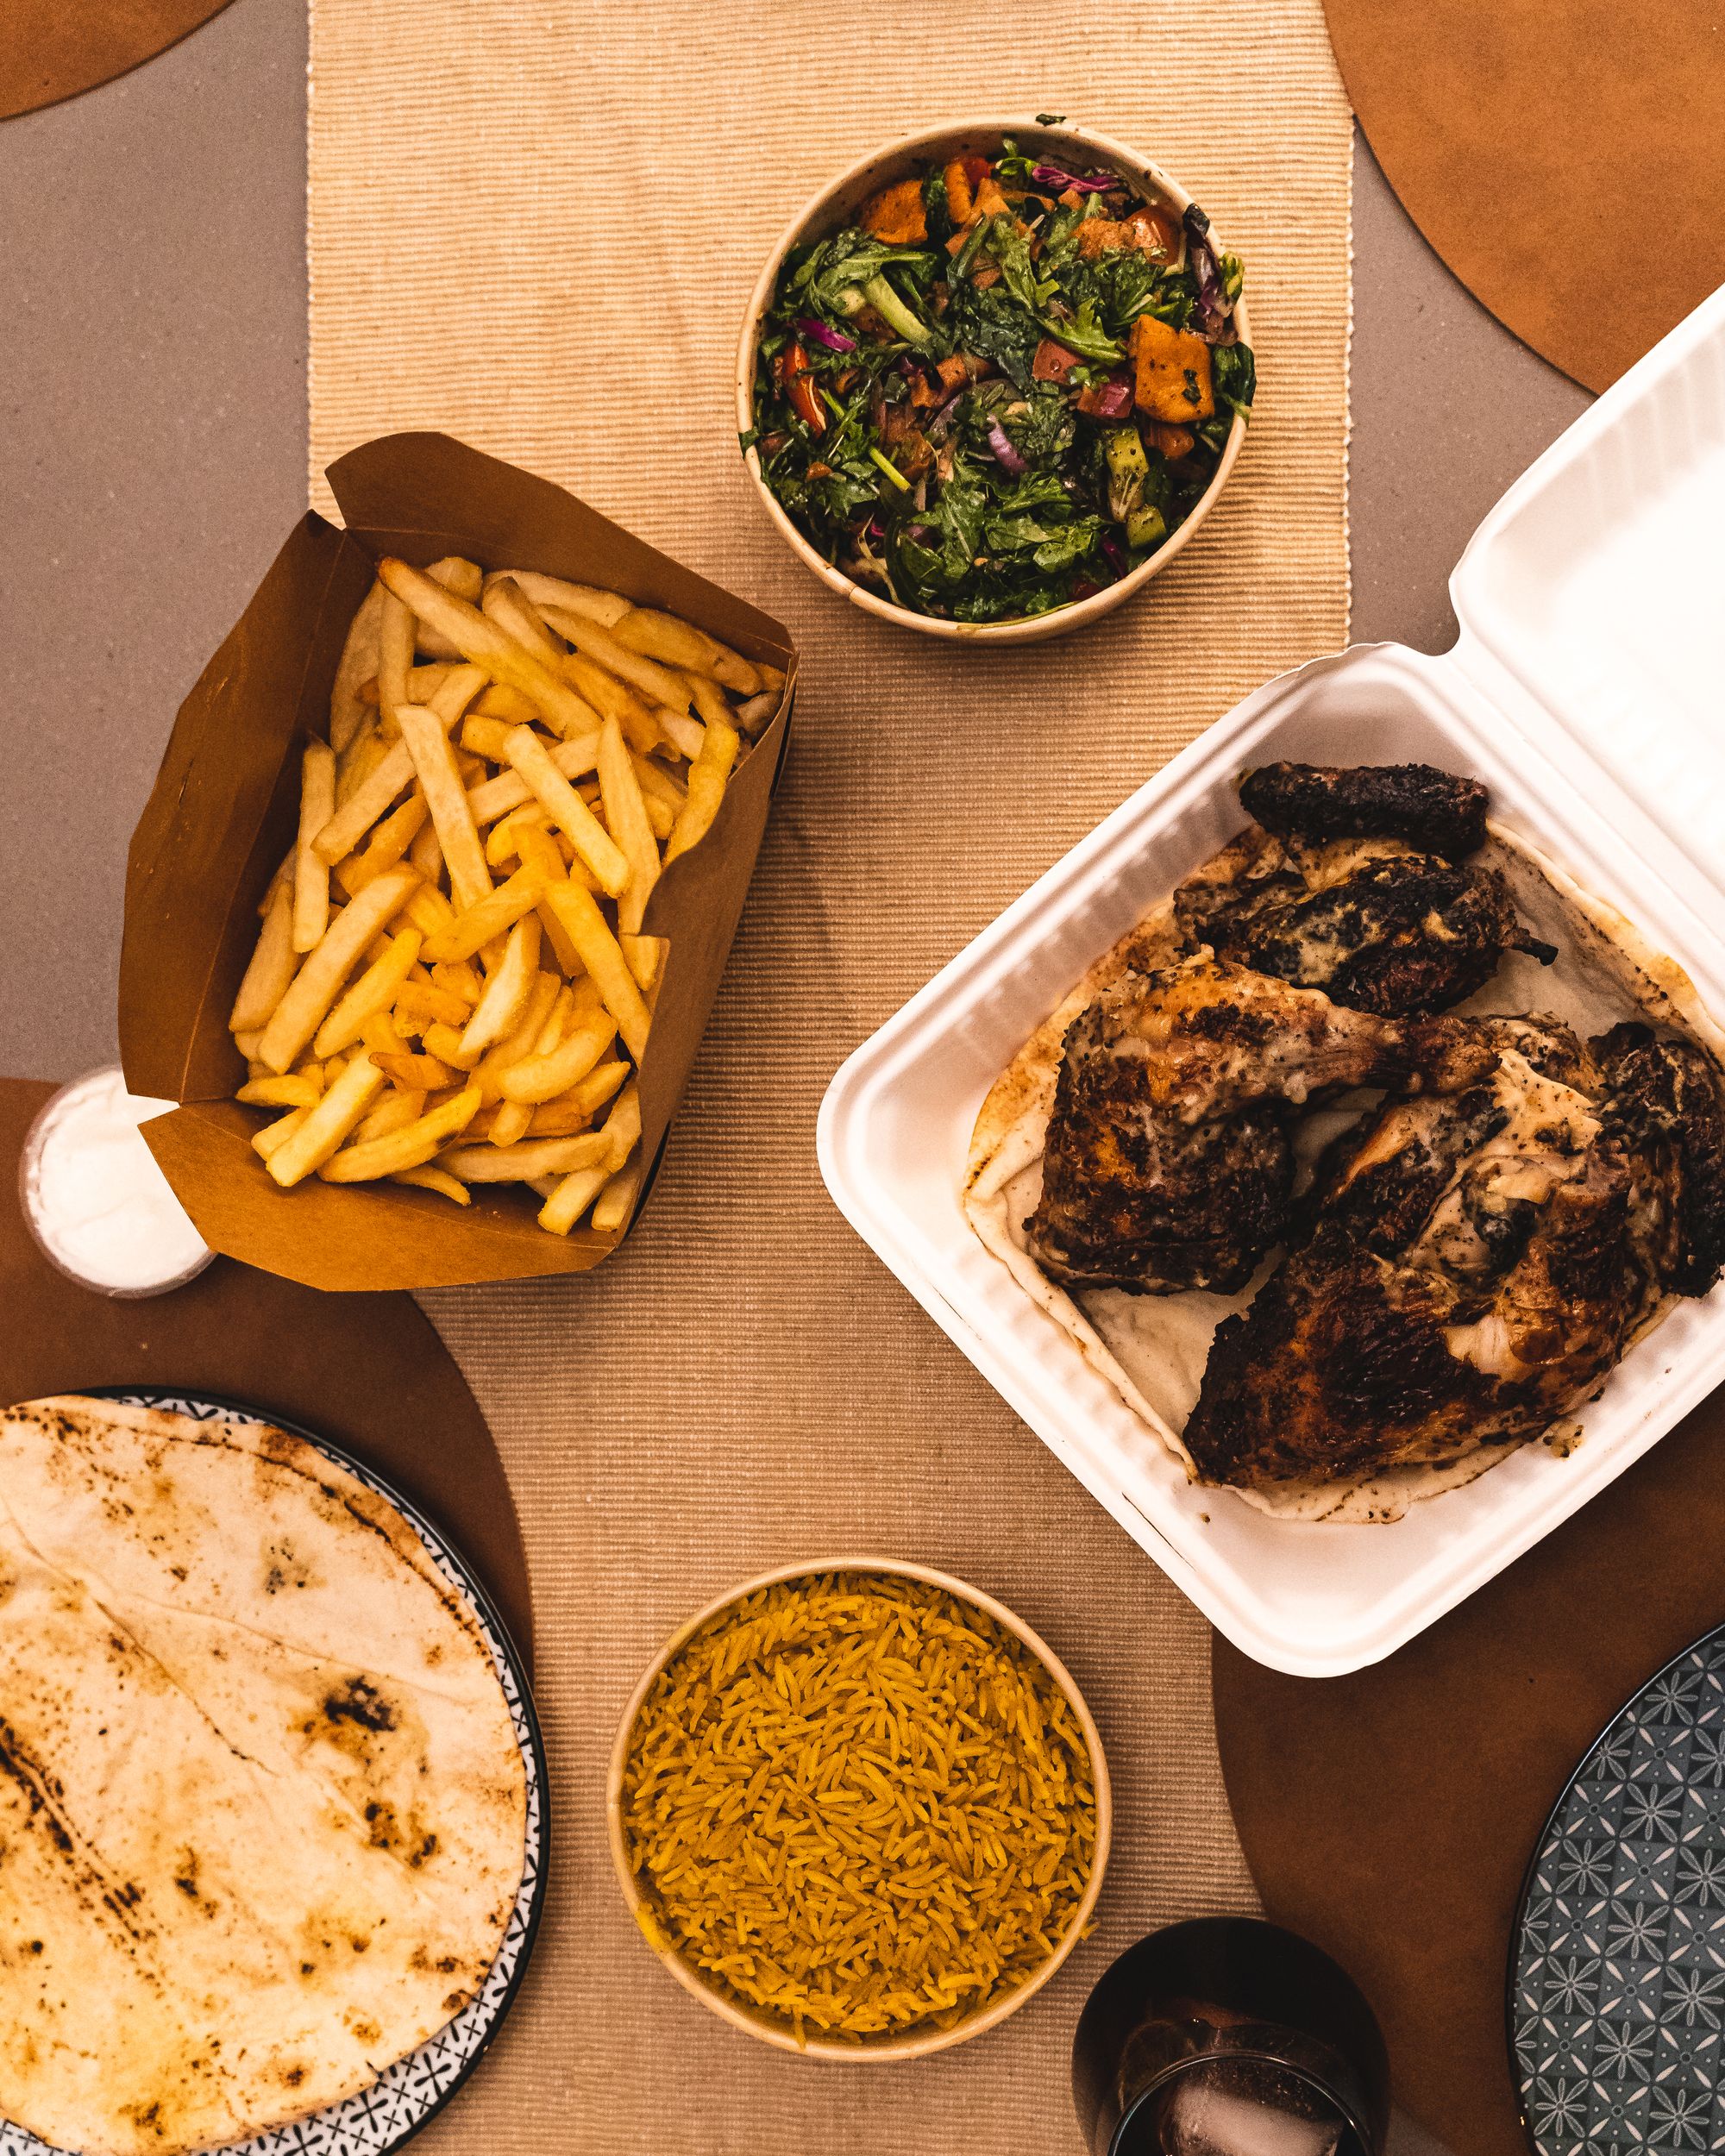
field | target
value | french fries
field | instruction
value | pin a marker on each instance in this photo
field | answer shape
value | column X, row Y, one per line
column 451, row 986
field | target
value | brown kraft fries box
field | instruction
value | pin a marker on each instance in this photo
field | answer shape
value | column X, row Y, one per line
column 224, row 812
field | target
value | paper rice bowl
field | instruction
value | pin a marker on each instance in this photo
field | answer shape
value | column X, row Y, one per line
column 1152, row 1349
column 759, row 2022
column 837, row 202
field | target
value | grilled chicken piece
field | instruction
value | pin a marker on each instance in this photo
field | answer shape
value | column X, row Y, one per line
column 1432, row 810
column 1167, row 1162
column 1353, row 881
column 1476, row 1264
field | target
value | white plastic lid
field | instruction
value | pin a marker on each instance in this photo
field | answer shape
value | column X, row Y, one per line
column 1599, row 584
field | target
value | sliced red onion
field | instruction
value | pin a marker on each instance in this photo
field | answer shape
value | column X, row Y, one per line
column 1215, row 309
column 1051, row 176
column 817, row 333
column 1112, row 553
column 1001, row 444
column 1114, row 400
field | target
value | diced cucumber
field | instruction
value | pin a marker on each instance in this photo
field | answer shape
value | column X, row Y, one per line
column 1128, row 471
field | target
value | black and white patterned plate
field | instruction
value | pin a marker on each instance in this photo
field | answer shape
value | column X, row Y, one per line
column 408, row 2094
column 1617, row 1970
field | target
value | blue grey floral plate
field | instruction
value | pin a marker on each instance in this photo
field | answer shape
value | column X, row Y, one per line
column 1617, row 1970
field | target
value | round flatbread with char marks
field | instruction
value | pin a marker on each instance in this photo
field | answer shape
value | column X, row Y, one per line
column 262, row 1808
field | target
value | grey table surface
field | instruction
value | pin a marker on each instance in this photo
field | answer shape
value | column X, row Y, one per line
column 153, row 247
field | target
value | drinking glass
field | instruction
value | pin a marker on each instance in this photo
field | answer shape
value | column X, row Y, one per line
column 1229, row 2037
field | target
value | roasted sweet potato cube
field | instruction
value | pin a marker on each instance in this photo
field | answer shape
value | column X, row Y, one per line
column 1174, row 382
column 896, row 215
column 1174, row 442
column 961, row 197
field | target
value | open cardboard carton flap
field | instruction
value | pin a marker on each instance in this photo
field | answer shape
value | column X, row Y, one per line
column 224, row 813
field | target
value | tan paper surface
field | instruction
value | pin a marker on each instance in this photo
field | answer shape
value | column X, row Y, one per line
column 538, row 227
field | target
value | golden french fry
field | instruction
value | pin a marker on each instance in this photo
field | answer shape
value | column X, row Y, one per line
column 622, row 1131
column 357, row 664
column 327, row 1125
column 603, row 607
column 460, row 686
column 314, row 989
column 310, row 874
column 627, row 819
column 424, row 1000
column 297, row 1091
column 660, row 821
column 247, row 1045
column 468, row 932
column 567, row 809
column 390, row 843
column 459, row 976
column 675, row 643
column 685, row 734
column 511, row 1122
column 500, row 842
column 500, row 701
column 369, row 800
column 416, row 1074
column 707, row 776
column 646, row 956
column 609, row 697
column 395, row 654
column 546, row 1077
column 272, row 965
column 434, row 761
column 489, row 1075
column 573, row 1195
column 373, row 992
column 394, row 1110
column 517, row 1163
column 434, row 1179
column 658, row 785
column 485, row 737
column 481, row 641
column 276, row 1134
column 503, row 603
column 496, row 797
column 466, row 579
column 579, row 912
column 426, row 853
column 614, row 1204
column 443, row 1042
column 506, row 993
column 429, row 912
column 582, row 1102
column 645, row 676
column 412, row 1146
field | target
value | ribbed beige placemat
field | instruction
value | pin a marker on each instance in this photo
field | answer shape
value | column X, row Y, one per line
column 536, row 226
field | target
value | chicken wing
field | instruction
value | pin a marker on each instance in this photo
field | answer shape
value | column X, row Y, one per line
column 1355, row 881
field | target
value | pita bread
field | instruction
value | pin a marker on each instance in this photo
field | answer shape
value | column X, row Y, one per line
column 1152, row 1348
column 262, row 1808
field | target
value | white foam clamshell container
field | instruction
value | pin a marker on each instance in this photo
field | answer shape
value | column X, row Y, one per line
column 1587, row 690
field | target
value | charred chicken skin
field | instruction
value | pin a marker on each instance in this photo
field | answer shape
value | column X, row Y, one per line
column 1168, row 1162
column 1475, row 1264
column 1355, row 881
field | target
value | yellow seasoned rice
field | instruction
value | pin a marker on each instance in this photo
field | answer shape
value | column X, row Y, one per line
column 860, row 1804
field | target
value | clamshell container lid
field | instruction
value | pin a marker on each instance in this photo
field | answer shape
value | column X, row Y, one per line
column 1591, row 599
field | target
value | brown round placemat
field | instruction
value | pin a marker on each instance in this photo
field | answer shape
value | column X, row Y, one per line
column 1564, row 160
column 1389, row 1815
column 366, row 1371
column 54, row 49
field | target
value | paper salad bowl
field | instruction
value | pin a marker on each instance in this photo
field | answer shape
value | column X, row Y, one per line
column 836, row 204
